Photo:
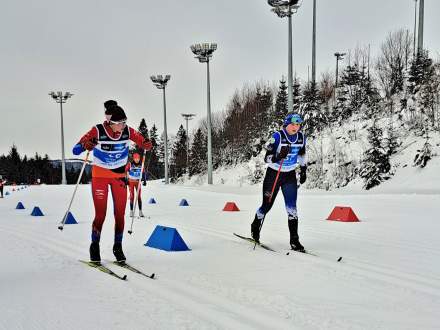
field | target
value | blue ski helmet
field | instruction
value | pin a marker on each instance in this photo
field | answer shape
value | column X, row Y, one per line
column 292, row 118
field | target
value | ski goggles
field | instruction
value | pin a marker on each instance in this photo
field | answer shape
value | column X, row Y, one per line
column 123, row 123
column 293, row 118
column 296, row 121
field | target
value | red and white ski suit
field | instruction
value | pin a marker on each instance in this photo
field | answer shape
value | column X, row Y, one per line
column 103, row 176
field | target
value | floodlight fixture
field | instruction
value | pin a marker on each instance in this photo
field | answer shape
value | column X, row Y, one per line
column 284, row 8
column 61, row 98
column 160, row 81
column 203, row 51
column 340, row 56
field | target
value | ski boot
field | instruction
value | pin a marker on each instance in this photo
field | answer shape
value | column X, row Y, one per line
column 255, row 229
column 95, row 255
column 119, row 254
column 141, row 214
column 294, row 238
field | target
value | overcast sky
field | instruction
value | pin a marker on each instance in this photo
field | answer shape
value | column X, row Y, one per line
column 107, row 49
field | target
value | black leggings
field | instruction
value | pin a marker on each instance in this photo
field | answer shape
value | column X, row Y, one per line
column 287, row 182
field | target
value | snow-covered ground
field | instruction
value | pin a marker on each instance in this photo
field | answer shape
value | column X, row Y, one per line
column 389, row 276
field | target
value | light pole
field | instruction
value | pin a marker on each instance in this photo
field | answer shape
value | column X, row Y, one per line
column 161, row 82
column 286, row 8
column 415, row 28
column 314, row 44
column 61, row 98
column 339, row 56
column 187, row 116
column 421, row 21
column 203, row 53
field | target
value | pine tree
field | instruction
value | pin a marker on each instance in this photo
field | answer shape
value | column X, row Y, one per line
column 372, row 98
column 198, row 161
column 314, row 118
column 262, row 124
column 352, row 86
column 296, row 91
column 392, row 142
column 423, row 85
column 280, row 104
column 376, row 165
column 178, row 154
column 155, row 167
column 14, row 168
column 143, row 129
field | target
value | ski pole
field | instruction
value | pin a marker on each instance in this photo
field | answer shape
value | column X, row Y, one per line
column 270, row 197
column 61, row 227
column 137, row 192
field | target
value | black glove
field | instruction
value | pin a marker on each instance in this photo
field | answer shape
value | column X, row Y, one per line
column 303, row 174
column 144, row 183
column 284, row 151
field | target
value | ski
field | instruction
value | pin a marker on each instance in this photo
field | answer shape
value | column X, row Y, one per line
column 135, row 270
column 311, row 253
column 303, row 252
column 249, row 239
column 104, row 269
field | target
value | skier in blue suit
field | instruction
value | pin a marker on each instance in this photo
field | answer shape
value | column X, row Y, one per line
column 286, row 152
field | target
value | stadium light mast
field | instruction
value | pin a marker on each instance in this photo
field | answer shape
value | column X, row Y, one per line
column 203, row 52
column 61, row 98
column 421, row 24
column 314, row 44
column 286, row 8
column 415, row 29
column 161, row 82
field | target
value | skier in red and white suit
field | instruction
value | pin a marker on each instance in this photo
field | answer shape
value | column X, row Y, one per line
column 110, row 143
column 134, row 172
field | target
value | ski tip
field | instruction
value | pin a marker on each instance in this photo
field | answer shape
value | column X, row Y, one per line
column 124, row 278
column 339, row 259
column 130, row 232
column 152, row 275
column 60, row 228
column 287, row 253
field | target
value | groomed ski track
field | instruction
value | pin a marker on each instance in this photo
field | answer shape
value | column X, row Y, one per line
column 389, row 277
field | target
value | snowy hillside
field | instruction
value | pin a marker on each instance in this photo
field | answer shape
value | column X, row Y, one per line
column 388, row 278
column 336, row 155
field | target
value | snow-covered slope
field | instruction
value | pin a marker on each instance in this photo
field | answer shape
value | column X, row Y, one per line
column 389, row 277
column 336, row 156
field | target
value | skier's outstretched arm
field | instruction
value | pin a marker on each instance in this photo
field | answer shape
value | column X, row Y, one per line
column 139, row 139
column 87, row 142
